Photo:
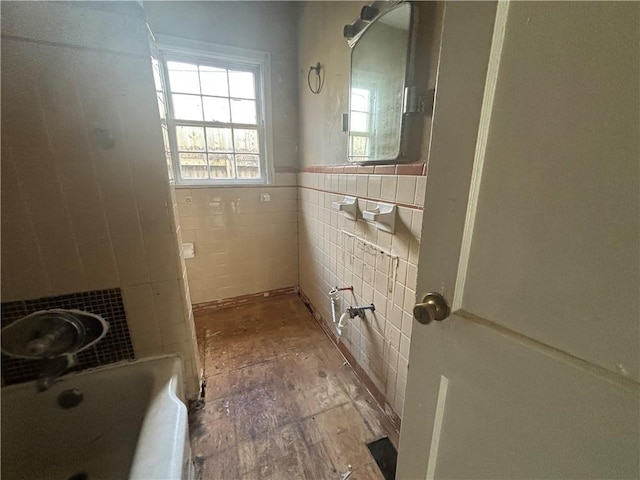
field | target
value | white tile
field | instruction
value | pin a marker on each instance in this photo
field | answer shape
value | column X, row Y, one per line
column 390, row 385
column 392, row 334
column 381, row 282
column 421, row 185
column 141, row 317
column 414, row 251
column 407, row 323
column 394, row 315
column 361, row 185
column 412, row 276
column 404, row 347
column 380, row 301
column 416, row 224
column 98, row 262
column 409, row 299
column 384, row 240
column 351, row 184
column 404, row 220
column 400, row 245
column 398, row 404
column 155, row 220
column 398, row 295
column 169, row 311
column 406, row 190
column 162, row 257
column 403, row 364
column 131, row 258
column 401, row 274
column 389, row 187
column 374, row 186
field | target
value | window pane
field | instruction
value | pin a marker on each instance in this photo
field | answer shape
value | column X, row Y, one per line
column 246, row 141
column 360, row 100
column 221, row 166
column 187, row 107
column 243, row 111
column 216, row 109
column 214, row 81
column 219, row 140
column 248, row 166
column 183, row 78
column 242, row 84
column 193, row 166
column 190, row 138
column 359, row 146
column 359, row 122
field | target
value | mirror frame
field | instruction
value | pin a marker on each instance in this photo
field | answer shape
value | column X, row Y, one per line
column 354, row 32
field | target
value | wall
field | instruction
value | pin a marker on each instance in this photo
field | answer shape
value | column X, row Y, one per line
column 76, row 216
column 382, row 269
column 335, row 251
column 242, row 245
column 322, row 141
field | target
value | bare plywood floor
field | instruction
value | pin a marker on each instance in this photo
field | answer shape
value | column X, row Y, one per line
column 280, row 402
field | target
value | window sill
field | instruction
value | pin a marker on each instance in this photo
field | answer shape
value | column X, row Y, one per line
column 260, row 184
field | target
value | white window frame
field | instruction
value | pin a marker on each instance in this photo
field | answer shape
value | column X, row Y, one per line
column 369, row 132
column 180, row 49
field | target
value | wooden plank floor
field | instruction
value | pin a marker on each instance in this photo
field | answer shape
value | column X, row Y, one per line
column 280, row 401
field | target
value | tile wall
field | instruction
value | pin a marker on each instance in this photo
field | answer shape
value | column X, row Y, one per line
column 380, row 266
column 243, row 245
column 327, row 255
column 78, row 215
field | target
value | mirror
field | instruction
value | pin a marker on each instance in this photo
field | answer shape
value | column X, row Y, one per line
column 379, row 59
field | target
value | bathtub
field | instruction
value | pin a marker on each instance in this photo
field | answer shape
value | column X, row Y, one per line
column 131, row 423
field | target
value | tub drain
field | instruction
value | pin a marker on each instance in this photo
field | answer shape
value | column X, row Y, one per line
column 79, row 476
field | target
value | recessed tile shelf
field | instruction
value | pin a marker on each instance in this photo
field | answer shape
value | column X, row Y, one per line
column 383, row 215
column 348, row 207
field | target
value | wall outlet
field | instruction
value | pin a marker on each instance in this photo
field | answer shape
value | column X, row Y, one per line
column 265, row 197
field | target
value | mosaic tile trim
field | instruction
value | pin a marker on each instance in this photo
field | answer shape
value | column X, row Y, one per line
column 400, row 169
column 115, row 346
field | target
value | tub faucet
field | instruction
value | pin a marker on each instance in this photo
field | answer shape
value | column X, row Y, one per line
column 52, row 369
column 359, row 311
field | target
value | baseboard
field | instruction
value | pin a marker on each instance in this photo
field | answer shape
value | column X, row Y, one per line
column 244, row 299
column 362, row 375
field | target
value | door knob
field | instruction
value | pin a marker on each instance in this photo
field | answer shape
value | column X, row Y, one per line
column 433, row 307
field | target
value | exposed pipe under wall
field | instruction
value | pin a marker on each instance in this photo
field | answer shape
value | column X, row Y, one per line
column 334, row 295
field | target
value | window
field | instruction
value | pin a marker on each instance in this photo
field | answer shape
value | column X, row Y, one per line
column 213, row 110
column 360, row 130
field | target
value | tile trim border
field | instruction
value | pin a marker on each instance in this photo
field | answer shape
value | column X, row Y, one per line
column 261, row 185
column 243, row 299
column 362, row 197
column 419, row 169
column 359, row 371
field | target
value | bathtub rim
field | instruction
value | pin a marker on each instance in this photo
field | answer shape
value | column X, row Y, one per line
column 163, row 447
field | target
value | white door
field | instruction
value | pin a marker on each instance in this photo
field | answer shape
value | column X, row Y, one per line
column 531, row 231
